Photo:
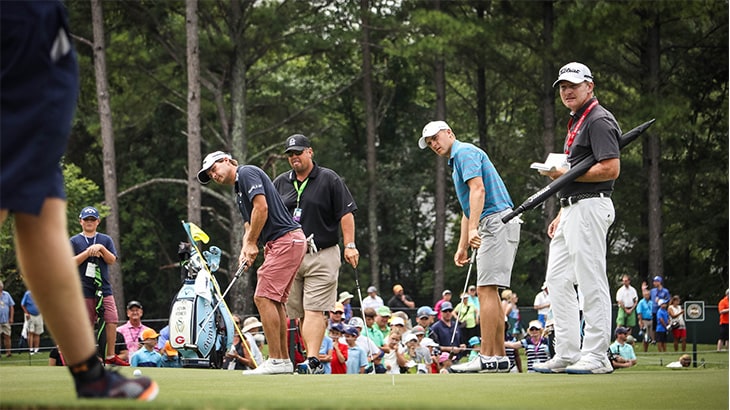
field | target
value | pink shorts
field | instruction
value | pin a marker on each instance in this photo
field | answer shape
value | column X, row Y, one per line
column 110, row 310
column 282, row 258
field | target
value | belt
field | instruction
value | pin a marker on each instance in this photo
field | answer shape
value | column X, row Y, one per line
column 572, row 200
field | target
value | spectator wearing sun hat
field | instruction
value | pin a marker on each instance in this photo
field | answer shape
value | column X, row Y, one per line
column 345, row 298
column 147, row 356
column 400, row 301
column 372, row 300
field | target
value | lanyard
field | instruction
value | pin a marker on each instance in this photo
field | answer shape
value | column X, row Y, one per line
column 300, row 189
column 572, row 133
column 87, row 240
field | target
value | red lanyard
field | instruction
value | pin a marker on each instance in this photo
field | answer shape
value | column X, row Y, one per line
column 576, row 130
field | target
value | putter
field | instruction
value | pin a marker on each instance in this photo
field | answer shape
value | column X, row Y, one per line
column 466, row 286
column 235, row 277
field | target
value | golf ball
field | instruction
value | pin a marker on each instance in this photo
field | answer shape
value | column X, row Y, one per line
column 137, row 373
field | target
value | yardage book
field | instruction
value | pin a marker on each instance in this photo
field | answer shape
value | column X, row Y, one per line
column 553, row 162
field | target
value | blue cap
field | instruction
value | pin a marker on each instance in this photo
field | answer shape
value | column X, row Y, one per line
column 338, row 327
column 352, row 330
column 474, row 341
column 447, row 306
column 425, row 311
column 88, row 212
column 658, row 279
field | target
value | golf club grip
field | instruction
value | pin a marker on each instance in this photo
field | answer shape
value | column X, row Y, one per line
column 582, row 165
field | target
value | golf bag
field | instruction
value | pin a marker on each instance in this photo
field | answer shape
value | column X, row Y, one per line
column 200, row 334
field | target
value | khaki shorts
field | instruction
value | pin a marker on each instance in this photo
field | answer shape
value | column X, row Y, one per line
column 496, row 255
column 315, row 286
column 35, row 324
column 5, row 329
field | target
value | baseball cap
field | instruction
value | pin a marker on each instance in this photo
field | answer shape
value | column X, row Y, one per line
column 338, row 327
column 425, row 311
column 447, row 306
column 446, row 292
column 397, row 288
column 372, row 289
column 208, row 162
column 418, row 330
column 428, row 342
column 621, row 329
column 661, row 302
column 397, row 321
column 472, row 287
column 351, row 330
column 339, row 307
column 431, row 129
column 149, row 334
column 574, row 72
column 444, row 357
column 356, row 322
column 89, row 212
column 296, row 142
column 383, row 311
column 658, row 279
column 409, row 337
column 134, row 303
column 474, row 340
column 169, row 350
column 345, row 295
column 535, row 323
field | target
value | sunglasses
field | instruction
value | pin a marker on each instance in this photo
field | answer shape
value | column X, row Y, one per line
column 337, row 313
column 294, row 153
column 534, row 328
column 446, row 310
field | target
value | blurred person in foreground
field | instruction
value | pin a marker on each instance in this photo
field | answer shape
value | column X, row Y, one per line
column 38, row 91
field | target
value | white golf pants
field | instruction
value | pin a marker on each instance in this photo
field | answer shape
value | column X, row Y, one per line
column 578, row 257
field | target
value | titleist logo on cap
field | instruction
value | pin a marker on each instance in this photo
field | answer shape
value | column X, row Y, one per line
column 569, row 70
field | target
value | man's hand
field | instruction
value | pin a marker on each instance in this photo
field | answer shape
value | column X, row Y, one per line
column 352, row 256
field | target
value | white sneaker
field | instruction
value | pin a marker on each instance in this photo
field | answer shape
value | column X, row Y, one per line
column 479, row 364
column 554, row 365
column 503, row 364
column 585, row 366
column 272, row 366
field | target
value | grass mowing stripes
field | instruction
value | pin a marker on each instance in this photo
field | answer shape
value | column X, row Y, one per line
column 39, row 387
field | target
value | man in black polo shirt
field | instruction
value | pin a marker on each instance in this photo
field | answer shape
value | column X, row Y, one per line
column 319, row 200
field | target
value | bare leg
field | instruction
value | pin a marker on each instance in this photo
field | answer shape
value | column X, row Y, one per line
column 313, row 328
column 6, row 343
column 111, row 337
column 492, row 321
column 271, row 318
column 53, row 279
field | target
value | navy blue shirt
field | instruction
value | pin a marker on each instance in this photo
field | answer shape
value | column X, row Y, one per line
column 80, row 242
column 252, row 181
column 325, row 199
column 441, row 333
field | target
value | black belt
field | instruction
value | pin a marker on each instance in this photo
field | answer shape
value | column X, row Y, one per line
column 572, row 200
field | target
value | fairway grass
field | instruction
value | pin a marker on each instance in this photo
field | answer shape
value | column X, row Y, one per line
column 704, row 388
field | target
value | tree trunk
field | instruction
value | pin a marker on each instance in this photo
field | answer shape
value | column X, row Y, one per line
column 242, row 293
column 194, row 158
column 439, row 242
column 107, row 139
column 548, row 109
column 651, row 146
column 371, row 150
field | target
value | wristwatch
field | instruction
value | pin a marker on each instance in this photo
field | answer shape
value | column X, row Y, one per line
column 351, row 245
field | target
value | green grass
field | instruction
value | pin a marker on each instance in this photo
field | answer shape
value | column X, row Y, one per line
column 646, row 386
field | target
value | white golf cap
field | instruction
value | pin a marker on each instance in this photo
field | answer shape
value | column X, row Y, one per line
column 574, row 72
column 208, row 162
column 431, row 129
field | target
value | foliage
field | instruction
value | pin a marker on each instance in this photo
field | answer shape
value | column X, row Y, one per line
column 302, row 70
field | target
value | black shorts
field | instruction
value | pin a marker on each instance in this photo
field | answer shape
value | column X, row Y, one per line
column 38, row 92
column 661, row 337
column 724, row 332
